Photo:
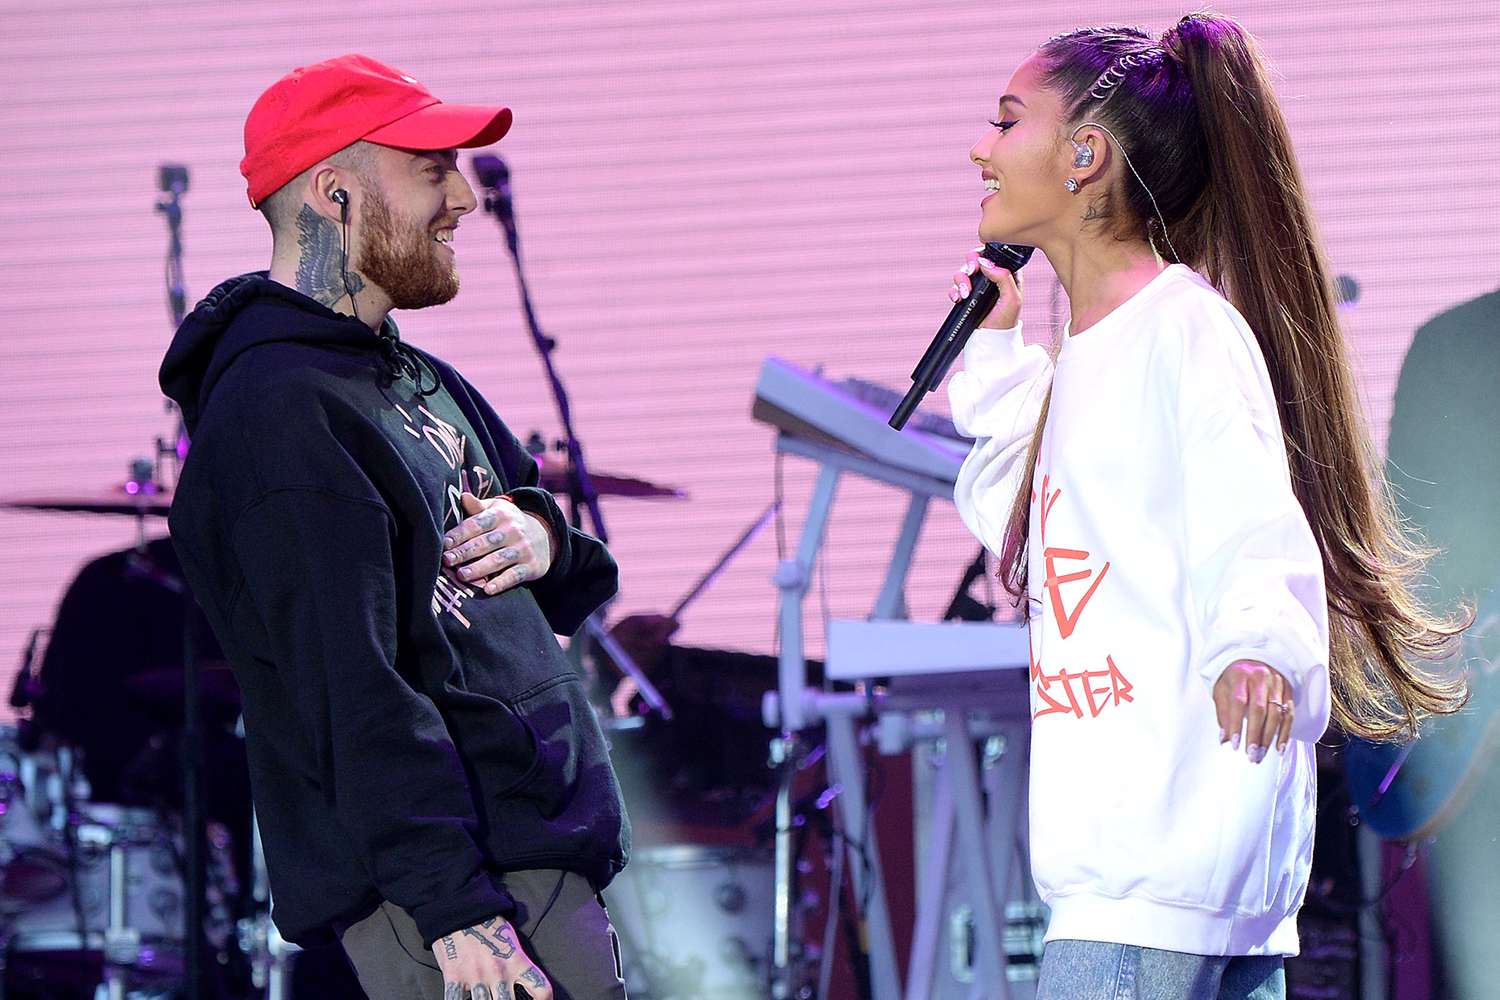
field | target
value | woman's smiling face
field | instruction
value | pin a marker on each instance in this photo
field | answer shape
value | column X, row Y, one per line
column 1024, row 160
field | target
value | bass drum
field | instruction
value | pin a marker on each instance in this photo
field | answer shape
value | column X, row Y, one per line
column 695, row 922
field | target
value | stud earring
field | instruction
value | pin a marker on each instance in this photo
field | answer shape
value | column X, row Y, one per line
column 1071, row 185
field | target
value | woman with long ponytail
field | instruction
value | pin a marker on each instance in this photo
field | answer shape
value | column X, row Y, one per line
column 1184, row 496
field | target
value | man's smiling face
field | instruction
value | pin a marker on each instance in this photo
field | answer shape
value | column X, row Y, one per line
column 409, row 210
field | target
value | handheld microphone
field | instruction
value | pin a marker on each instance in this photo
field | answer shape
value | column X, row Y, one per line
column 956, row 329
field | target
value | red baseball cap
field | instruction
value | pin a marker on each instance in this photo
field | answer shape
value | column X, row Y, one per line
column 315, row 111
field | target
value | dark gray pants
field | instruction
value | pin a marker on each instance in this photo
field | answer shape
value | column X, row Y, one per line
column 563, row 927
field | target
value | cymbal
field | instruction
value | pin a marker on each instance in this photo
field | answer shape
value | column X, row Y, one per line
column 555, row 480
column 158, row 502
column 115, row 500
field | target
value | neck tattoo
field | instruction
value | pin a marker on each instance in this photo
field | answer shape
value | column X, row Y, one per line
column 320, row 260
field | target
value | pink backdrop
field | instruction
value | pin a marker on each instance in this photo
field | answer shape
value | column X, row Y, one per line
column 699, row 185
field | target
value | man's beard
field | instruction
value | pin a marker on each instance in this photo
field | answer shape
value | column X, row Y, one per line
column 400, row 256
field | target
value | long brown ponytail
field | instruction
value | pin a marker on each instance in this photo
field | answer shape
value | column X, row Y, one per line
column 1199, row 118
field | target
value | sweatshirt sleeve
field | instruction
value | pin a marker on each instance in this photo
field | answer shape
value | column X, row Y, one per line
column 583, row 574
column 996, row 400
column 1254, row 567
column 319, row 568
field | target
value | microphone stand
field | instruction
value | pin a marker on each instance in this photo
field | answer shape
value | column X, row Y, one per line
column 172, row 180
column 494, row 177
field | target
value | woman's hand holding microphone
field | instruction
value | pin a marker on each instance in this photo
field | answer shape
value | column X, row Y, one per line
column 1007, row 311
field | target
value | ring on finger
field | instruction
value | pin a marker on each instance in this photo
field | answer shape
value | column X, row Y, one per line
column 1279, row 704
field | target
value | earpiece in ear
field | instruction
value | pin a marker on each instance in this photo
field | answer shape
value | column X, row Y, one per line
column 341, row 196
column 1083, row 156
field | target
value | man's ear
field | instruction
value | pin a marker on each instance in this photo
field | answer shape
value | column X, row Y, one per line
column 330, row 194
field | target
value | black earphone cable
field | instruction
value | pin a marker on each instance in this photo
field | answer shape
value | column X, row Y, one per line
column 344, row 265
column 400, row 360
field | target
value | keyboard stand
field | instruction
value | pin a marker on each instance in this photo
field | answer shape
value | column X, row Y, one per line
column 978, row 698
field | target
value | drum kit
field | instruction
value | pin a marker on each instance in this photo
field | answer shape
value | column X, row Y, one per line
column 95, row 895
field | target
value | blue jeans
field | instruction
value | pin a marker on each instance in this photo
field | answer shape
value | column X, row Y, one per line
column 1095, row 970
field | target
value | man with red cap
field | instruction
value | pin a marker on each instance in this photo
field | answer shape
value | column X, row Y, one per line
column 371, row 547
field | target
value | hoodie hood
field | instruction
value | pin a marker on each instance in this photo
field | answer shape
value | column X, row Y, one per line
column 250, row 310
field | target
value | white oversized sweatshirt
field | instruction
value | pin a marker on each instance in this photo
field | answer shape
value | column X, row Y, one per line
column 1165, row 544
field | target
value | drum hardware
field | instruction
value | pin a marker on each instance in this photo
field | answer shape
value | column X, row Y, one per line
column 122, row 942
column 269, row 953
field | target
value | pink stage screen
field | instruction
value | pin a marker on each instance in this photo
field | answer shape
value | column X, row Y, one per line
column 698, row 186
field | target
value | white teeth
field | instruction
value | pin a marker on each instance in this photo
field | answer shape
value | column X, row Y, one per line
column 990, row 184
column 446, row 236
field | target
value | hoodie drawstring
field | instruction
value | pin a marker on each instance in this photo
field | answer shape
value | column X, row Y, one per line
column 403, row 362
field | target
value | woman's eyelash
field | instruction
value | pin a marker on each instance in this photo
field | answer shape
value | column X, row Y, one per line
column 1002, row 126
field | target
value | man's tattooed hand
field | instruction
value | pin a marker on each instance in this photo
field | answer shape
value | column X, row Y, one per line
column 488, row 962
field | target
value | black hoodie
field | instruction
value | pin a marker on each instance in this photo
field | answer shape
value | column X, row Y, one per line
column 409, row 739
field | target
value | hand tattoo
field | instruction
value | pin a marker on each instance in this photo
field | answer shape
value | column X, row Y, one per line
column 320, row 271
column 453, row 991
column 533, row 977
column 450, row 947
column 503, row 950
column 480, row 992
